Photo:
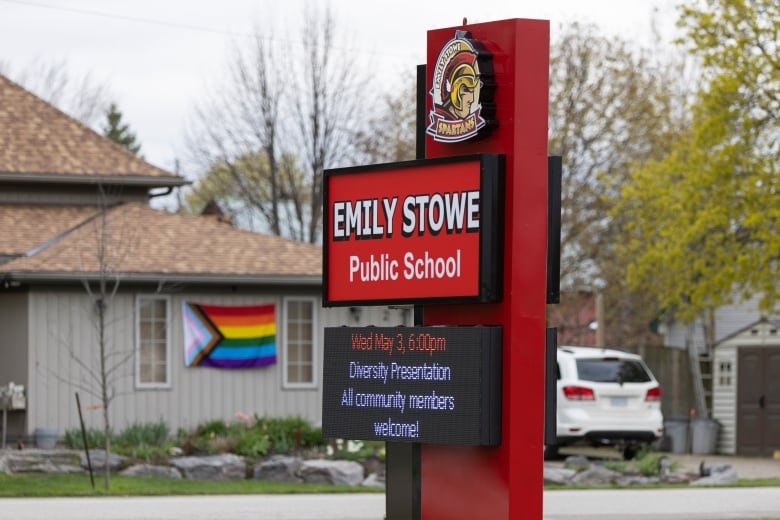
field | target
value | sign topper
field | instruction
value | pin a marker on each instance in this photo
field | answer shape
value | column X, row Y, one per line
column 462, row 91
column 412, row 231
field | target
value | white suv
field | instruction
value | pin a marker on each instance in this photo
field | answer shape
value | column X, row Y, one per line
column 606, row 397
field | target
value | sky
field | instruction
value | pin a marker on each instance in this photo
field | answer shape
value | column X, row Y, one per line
column 159, row 58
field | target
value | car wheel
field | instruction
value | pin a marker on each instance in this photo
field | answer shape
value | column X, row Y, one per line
column 630, row 451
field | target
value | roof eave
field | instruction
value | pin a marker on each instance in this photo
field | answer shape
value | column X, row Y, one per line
column 115, row 180
column 195, row 279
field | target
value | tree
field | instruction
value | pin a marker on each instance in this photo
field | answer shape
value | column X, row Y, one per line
column 703, row 223
column 390, row 135
column 80, row 97
column 275, row 126
column 611, row 104
column 99, row 364
column 118, row 131
column 704, row 219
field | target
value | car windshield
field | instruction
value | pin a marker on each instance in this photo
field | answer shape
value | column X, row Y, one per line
column 612, row 370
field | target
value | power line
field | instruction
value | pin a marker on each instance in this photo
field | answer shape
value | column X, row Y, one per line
column 127, row 18
column 175, row 25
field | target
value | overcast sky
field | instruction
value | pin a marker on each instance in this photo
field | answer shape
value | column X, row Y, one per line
column 158, row 56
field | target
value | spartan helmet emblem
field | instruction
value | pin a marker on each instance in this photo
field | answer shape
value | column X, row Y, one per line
column 460, row 83
column 457, row 87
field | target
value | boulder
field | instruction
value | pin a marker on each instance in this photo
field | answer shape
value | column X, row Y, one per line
column 150, row 470
column 558, row 476
column 41, row 461
column 595, row 476
column 577, row 462
column 280, row 468
column 343, row 472
column 215, row 467
column 716, row 474
column 374, row 480
column 98, row 460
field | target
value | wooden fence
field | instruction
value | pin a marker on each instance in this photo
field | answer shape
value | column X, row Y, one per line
column 670, row 367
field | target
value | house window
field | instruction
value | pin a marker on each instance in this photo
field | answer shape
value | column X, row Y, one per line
column 152, row 360
column 724, row 371
column 300, row 342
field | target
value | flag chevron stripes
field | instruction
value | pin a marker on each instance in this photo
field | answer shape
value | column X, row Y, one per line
column 201, row 343
column 229, row 337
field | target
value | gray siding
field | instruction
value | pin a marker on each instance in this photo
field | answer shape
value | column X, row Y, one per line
column 728, row 320
column 724, row 396
column 13, row 355
column 196, row 394
column 13, row 341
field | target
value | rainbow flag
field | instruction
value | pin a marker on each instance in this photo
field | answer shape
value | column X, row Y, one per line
column 229, row 337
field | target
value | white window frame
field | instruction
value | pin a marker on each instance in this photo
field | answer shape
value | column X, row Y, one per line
column 168, row 347
column 315, row 340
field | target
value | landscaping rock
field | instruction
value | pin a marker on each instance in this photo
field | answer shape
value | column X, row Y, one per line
column 215, row 467
column 40, row 461
column 149, row 470
column 558, row 476
column 279, row 468
column 595, row 476
column 98, row 459
column 374, row 480
column 635, row 480
column 716, row 474
column 332, row 472
column 577, row 462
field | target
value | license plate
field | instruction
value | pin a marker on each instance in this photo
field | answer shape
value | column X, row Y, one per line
column 619, row 402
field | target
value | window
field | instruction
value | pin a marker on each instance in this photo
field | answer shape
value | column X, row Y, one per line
column 300, row 343
column 724, row 373
column 152, row 359
column 612, row 370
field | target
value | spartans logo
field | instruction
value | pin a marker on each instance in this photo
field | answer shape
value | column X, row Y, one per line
column 462, row 79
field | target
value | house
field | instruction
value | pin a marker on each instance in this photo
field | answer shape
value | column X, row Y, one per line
column 84, row 256
column 577, row 318
column 741, row 352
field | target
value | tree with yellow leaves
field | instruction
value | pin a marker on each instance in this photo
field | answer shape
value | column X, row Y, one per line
column 703, row 223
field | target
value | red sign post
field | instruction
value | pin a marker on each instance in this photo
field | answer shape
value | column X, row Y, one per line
column 485, row 483
column 464, row 233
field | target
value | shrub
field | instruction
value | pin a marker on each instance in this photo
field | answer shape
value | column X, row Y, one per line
column 140, row 441
column 95, row 438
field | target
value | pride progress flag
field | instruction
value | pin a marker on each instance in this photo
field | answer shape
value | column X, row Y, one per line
column 228, row 336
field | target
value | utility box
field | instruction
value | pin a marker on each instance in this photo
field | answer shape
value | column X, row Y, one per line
column 18, row 399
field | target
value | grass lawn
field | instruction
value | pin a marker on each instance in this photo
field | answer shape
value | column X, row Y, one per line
column 39, row 485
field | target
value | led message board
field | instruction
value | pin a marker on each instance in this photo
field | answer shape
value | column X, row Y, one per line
column 436, row 385
column 414, row 231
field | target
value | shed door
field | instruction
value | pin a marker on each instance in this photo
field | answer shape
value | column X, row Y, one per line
column 758, row 400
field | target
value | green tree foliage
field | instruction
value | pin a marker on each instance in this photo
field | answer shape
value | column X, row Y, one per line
column 703, row 220
column 118, row 131
column 241, row 187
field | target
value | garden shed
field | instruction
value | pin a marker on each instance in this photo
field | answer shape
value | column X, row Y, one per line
column 746, row 389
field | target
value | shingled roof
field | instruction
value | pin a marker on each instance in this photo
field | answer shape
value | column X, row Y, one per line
column 39, row 141
column 57, row 241
column 145, row 244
